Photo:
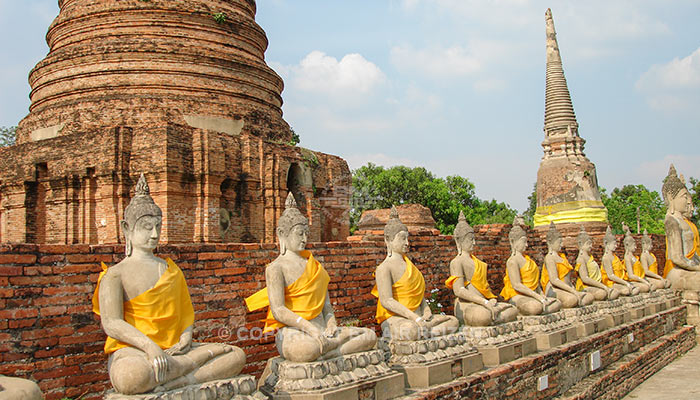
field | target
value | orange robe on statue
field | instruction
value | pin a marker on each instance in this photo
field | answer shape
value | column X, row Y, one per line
column 409, row 291
column 478, row 280
column 529, row 276
column 563, row 269
column 696, row 242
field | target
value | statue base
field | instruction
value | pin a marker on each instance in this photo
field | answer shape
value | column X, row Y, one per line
column 614, row 312
column 433, row 361
column 501, row 343
column 691, row 300
column 549, row 330
column 354, row 376
column 241, row 387
column 587, row 319
column 636, row 306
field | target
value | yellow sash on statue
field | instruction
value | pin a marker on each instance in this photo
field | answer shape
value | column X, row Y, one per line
column 305, row 297
column 162, row 313
column 563, row 268
column 618, row 270
column 594, row 272
column 409, row 291
column 654, row 267
column 529, row 276
column 637, row 269
column 478, row 280
column 696, row 242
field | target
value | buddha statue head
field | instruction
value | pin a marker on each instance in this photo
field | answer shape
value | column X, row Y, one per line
column 629, row 242
column 517, row 237
column 554, row 239
column 676, row 194
column 584, row 240
column 464, row 235
column 609, row 241
column 142, row 220
column 292, row 227
column 646, row 241
column 395, row 234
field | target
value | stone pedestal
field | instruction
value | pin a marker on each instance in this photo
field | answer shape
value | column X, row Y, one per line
column 432, row 361
column 501, row 343
column 614, row 311
column 355, row 376
column 549, row 330
column 691, row 300
column 241, row 387
column 636, row 306
column 587, row 320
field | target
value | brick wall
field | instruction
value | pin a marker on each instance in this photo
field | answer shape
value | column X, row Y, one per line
column 49, row 334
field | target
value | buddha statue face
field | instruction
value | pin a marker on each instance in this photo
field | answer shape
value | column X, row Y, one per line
column 682, row 203
column 586, row 246
column 466, row 243
column 555, row 245
column 610, row 246
column 520, row 244
column 295, row 239
column 145, row 233
column 399, row 244
column 630, row 244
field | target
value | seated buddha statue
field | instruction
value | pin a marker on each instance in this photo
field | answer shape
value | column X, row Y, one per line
column 633, row 267
column 650, row 265
column 475, row 304
column 590, row 278
column 682, row 239
column 402, row 310
column 19, row 389
column 556, row 274
column 521, row 284
column 613, row 270
column 145, row 310
column 297, row 296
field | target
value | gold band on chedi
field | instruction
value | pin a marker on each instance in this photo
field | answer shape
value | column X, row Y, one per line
column 572, row 211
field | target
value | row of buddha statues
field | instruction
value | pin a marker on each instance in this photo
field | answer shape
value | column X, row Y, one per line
column 148, row 317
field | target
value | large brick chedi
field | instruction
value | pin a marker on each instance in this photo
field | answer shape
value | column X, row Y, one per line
column 178, row 90
column 567, row 186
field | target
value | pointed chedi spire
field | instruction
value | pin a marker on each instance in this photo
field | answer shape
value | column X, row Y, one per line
column 559, row 116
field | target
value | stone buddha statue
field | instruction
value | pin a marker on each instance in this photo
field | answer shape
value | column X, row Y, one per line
column 299, row 305
column 633, row 267
column 556, row 275
column 650, row 265
column 521, row 284
column 475, row 305
column 682, row 239
column 613, row 270
column 402, row 309
column 146, row 312
column 19, row 389
column 590, row 278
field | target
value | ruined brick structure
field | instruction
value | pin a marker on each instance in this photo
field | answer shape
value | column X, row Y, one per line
column 178, row 90
column 567, row 185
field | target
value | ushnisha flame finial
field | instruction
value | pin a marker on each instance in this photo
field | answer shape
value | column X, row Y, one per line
column 393, row 225
column 462, row 228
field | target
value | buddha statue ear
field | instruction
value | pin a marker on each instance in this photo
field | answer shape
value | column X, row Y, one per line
column 389, row 253
column 283, row 244
column 128, row 249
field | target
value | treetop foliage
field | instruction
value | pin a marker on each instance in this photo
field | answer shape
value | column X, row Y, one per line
column 377, row 187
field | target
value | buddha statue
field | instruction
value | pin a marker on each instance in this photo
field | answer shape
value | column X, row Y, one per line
column 650, row 266
column 145, row 310
column 402, row 310
column 19, row 389
column 682, row 239
column 613, row 270
column 590, row 278
column 475, row 304
column 299, row 305
column 521, row 284
column 556, row 275
column 633, row 267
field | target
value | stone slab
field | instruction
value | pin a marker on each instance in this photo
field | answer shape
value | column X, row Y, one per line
column 547, row 340
column 387, row 387
column 506, row 352
column 241, row 387
column 430, row 374
column 587, row 328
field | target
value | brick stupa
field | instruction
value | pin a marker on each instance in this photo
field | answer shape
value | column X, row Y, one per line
column 567, row 186
column 178, row 90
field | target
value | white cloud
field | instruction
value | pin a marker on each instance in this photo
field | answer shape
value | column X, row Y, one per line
column 652, row 173
column 436, row 62
column 321, row 73
column 674, row 86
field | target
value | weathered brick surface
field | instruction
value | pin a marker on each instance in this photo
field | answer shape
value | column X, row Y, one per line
column 47, row 303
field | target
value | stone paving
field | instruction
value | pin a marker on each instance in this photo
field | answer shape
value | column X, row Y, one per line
column 677, row 381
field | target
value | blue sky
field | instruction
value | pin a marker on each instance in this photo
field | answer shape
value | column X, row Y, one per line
column 457, row 86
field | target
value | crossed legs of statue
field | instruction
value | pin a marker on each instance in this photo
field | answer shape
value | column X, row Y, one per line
column 298, row 346
column 529, row 306
column 567, row 299
column 626, row 290
column 131, row 372
column 600, row 294
column 403, row 329
column 477, row 315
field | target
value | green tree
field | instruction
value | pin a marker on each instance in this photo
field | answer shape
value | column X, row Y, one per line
column 695, row 195
column 627, row 203
column 378, row 187
column 529, row 214
column 8, row 136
